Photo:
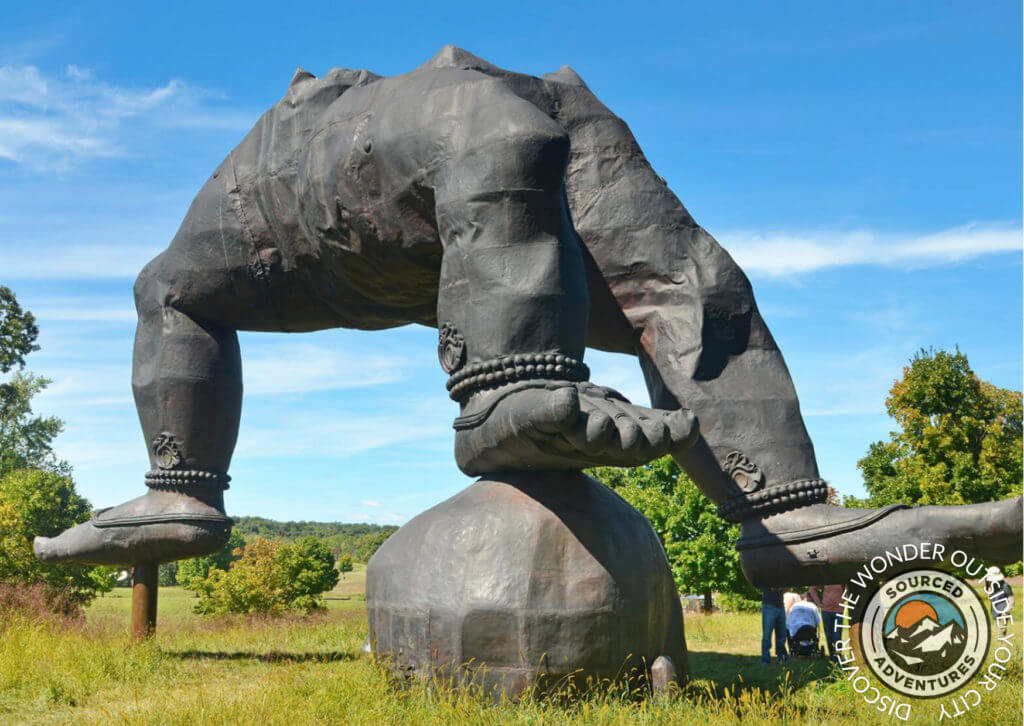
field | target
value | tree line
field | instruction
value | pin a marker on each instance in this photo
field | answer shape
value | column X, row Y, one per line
column 358, row 541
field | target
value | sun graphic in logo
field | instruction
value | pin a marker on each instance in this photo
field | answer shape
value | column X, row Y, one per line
column 924, row 633
column 912, row 612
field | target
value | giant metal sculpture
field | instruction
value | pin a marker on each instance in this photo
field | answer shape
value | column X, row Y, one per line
column 519, row 217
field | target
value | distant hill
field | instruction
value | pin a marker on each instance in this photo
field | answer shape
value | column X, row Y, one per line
column 263, row 527
column 357, row 540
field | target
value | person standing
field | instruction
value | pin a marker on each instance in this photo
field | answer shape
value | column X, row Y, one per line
column 773, row 622
column 1000, row 595
column 829, row 600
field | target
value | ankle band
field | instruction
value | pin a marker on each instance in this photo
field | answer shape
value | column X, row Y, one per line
column 186, row 479
column 774, row 500
column 510, row 368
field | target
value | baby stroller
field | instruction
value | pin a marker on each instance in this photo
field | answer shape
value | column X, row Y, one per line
column 804, row 643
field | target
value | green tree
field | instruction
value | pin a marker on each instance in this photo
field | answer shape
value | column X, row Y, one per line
column 37, row 495
column 270, row 577
column 18, row 332
column 345, row 564
column 104, row 577
column 168, row 574
column 24, row 439
column 959, row 438
column 698, row 543
column 192, row 572
column 367, row 544
column 34, row 502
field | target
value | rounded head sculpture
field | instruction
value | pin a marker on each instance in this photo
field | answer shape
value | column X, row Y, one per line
column 522, row 580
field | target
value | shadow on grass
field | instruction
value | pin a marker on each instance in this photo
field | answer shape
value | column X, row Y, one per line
column 272, row 656
column 739, row 673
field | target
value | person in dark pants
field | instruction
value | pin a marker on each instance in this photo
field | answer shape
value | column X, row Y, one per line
column 773, row 620
column 1000, row 595
column 828, row 598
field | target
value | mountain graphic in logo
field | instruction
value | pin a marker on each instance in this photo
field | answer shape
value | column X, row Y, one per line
column 925, row 633
column 919, row 642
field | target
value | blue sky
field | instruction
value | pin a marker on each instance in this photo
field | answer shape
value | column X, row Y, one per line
column 862, row 162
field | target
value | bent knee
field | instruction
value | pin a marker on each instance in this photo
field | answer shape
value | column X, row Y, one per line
column 509, row 143
column 171, row 280
column 149, row 289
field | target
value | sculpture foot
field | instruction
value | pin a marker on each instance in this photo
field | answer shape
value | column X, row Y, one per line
column 824, row 544
column 550, row 425
column 159, row 526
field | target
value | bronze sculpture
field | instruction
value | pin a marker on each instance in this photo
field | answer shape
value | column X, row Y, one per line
column 520, row 217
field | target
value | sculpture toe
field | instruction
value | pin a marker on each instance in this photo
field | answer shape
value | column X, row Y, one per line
column 823, row 544
column 559, row 425
column 160, row 526
column 683, row 429
column 84, row 543
column 53, row 549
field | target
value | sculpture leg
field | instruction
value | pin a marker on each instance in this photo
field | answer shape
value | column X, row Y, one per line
column 512, row 308
column 187, row 381
column 688, row 311
column 188, row 390
column 756, row 460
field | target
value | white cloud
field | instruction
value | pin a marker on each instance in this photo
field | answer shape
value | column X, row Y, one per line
column 341, row 437
column 621, row 372
column 55, row 121
column 64, row 260
column 792, row 253
column 280, row 368
column 290, row 368
column 85, row 309
column 769, row 255
column 370, row 503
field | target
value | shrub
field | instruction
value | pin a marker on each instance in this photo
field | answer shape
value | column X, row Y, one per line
column 192, row 572
column 36, row 601
column 168, row 574
column 270, row 578
column 731, row 602
column 34, row 502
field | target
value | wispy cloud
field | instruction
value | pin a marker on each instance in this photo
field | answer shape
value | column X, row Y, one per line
column 62, row 260
column 772, row 255
column 621, row 372
column 86, row 309
column 289, row 369
column 55, row 121
column 274, row 370
column 304, row 435
column 370, row 503
column 793, row 253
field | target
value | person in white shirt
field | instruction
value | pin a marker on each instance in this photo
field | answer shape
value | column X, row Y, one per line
column 802, row 613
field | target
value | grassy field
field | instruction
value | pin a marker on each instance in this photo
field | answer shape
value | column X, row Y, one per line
column 310, row 670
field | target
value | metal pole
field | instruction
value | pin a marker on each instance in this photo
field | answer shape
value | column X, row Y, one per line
column 144, row 592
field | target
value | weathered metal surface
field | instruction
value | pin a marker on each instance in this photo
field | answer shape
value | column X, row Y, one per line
column 525, row 577
column 145, row 587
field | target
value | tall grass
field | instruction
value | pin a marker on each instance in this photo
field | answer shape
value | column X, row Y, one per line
column 310, row 670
